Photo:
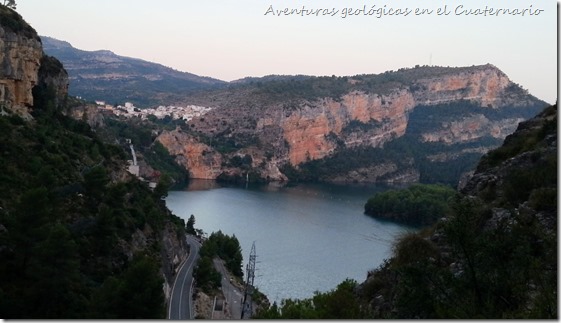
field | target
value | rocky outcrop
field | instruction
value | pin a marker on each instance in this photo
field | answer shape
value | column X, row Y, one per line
column 484, row 84
column 532, row 146
column 173, row 252
column 20, row 58
column 471, row 127
column 201, row 160
column 371, row 112
column 90, row 114
column 310, row 130
column 54, row 78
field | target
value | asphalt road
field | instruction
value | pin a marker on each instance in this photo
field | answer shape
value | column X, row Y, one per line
column 181, row 300
column 233, row 295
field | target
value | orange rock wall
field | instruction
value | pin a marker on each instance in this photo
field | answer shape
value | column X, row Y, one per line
column 199, row 159
column 19, row 65
column 307, row 130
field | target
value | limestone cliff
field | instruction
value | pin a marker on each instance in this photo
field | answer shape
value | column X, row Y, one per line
column 297, row 121
column 20, row 57
column 471, row 127
column 485, row 85
column 54, row 79
column 200, row 159
column 308, row 130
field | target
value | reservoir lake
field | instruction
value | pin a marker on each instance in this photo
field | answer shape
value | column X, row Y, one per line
column 308, row 237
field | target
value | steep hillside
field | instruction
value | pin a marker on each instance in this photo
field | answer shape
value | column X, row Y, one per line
column 406, row 125
column 496, row 255
column 80, row 237
column 103, row 75
column 493, row 257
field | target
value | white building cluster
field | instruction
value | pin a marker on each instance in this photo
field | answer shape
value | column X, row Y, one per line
column 129, row 110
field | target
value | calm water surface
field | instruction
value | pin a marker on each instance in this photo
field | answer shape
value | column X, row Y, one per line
column 308, row 237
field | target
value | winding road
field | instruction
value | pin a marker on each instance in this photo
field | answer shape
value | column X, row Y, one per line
column 181, row 300
column 233, row 295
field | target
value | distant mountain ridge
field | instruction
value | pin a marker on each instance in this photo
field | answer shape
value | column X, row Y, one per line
column 427, row 124
column 103, row 75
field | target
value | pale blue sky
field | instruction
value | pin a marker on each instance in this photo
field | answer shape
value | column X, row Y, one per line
column 228, row 39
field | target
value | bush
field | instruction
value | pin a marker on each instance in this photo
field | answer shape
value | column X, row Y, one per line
column 420, row 204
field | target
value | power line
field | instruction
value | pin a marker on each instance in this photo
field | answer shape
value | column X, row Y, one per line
column 247, row 305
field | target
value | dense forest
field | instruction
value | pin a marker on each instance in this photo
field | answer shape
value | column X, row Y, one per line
column 419, row 204
column 224, row 247
column 77, row 233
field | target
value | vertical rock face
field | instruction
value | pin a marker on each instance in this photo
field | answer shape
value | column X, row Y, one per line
column 484, row 84
column 369, row 111
column 20, row 57
column 202, row 161
column 308, row 130
column 470, row 128
column 53, row 77
column 174, row 251
column 306, row 137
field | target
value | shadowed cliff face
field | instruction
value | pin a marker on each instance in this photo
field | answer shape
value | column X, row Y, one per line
column 23, row 66
column 200, row 159
column 20, row 57
column 298, row 121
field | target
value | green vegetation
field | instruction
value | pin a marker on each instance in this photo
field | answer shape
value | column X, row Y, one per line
column 340, row 303
column 226, row 248
column 142, row 135
column 289, row 88
column 190, row 226
column 405, row 152
column 67, row 226
column 489, row 274
column 207, row 277
column 419, row 204
column 14, row 22
column 515, row 145
column 307, row 88
column 356, row 125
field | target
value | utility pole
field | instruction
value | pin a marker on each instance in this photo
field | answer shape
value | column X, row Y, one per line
column 247, row 304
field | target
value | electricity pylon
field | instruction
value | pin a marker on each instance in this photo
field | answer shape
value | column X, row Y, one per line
column 247, row 305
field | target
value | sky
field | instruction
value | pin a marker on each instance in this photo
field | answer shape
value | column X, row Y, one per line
column 229, row 40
